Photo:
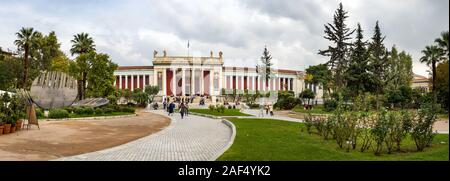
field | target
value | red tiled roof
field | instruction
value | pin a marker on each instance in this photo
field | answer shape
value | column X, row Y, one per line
column 134, row 67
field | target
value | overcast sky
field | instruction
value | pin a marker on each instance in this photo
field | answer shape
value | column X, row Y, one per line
column 292, row 30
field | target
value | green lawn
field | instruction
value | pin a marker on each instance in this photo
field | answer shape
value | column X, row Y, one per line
column 228, row 112
column 262, row 139
column 315, row 110
column 71, row 115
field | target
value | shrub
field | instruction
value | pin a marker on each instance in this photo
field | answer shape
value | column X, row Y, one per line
column 330, row 105
column 88, row 110
column 422, row 131
column 380, row 130
column 108, row 110
column 286, row 100
column 127, row 109
column 58, row 113
column 212, row 107
column 69, row 109
column 221, row 109
column 39, row 113
column 308, row 123
column 365, row 124
column 78, row 110
column 253, row 106
column 99, row 111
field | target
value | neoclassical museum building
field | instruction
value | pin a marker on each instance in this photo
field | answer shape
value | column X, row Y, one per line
column 187, row 76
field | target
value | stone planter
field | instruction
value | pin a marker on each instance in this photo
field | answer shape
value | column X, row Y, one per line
column 13, row 129
column 1, row 129
column 6, row 128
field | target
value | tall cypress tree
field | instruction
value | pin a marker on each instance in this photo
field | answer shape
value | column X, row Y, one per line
column 265, row 68
column 378, row 63
column 357, row 76
column 338, row 34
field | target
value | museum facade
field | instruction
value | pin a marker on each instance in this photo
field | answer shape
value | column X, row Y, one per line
column 188, row 75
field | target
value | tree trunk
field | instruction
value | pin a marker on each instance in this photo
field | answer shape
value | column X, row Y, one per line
column 433, row 67
column 84, row 84
column 25, row 68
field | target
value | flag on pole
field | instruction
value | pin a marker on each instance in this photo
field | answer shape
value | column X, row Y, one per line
column 188, row 44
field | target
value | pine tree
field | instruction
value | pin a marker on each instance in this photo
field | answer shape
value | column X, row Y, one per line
column 378, row 63
column 265, row 69
column 339, row 34
column 357, row 76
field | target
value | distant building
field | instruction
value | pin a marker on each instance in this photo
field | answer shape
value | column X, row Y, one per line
column 420, row 81
column 187, row 76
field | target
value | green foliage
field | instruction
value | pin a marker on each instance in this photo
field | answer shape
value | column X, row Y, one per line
column 58, row 113
column 99, row 111
column 401, row 96
column 380, row 130
column 422, row 131
column 151, row 91
column 140, row 97
column 330, row 105
column 339, row 34
column 307, row 94
column 100, row 76
column 321, row 75
column 431, row 56
column 442, row 83
column 127, row 109
column 212, row 108
column 265, row 69
column 286, row 100
column 357, row 76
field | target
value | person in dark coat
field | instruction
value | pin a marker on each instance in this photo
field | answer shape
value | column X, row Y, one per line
column 182, row 109
column 171, row 108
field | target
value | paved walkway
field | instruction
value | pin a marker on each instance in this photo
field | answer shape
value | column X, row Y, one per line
column 256, row 113
column 194, row 138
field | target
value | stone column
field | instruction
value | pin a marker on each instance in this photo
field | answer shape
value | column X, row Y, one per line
column 192, row 81
column 174, row 81
column 289, row 83
column 138, row 81
column 253, row 82
column 220, row 80
column 143, row 82
column 211, row 82
column 132, row 83
column 164, row 82
column 183, row 82
column 242, row 82
column 126, row 82
column 120, row 82
column 202, row 82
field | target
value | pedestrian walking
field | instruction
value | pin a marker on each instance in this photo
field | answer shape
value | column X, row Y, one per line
column 171, row 108
column 271, row 110
column 182, row 109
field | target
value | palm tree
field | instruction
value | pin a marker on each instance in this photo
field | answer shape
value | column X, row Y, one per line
column 81, row 44
column 432, row 55
column 26, row 38
column 443, row 42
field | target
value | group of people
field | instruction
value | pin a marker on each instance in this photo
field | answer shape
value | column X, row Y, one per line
column 183, row 107
column 268, row 108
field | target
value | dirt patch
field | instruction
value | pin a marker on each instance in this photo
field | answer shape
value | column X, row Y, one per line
column 58, row 139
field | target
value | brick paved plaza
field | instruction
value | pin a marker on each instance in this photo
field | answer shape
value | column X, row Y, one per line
column 191, row 139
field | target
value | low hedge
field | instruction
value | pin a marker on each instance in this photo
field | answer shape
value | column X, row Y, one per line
column 58, row 113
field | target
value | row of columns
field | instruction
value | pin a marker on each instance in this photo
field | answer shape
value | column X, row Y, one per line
column 183, row 80
column 120, row 77
column 274, row 83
